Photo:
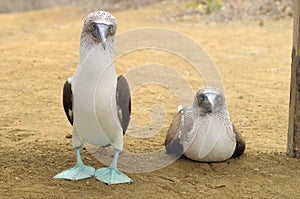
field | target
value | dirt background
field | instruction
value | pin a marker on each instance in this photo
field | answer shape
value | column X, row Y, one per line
column 39, row 50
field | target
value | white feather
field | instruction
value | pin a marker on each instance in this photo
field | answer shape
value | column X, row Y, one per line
column 214, row 140
column 70, row 80
column 180, row 107
column 95, row 81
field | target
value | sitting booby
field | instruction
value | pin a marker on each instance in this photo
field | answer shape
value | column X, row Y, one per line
column 204, row 132
column 96, row 101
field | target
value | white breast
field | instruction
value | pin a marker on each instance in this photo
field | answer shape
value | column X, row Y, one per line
column 214, row 140
column 94, row 90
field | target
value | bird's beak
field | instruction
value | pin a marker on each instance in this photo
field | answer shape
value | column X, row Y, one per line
column 100, row 32
column 211, row 100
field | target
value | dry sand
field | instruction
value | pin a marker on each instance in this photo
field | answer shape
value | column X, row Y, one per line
column 39, row 50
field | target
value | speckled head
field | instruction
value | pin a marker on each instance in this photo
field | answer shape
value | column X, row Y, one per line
column 99, row 20
column 210, row 100
column 99, row 28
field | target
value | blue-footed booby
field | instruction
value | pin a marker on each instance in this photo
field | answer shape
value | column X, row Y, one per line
column 204, row 132
column 96, row 101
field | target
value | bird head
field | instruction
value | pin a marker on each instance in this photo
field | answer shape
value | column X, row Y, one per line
column 209, row 100
column 99, row 27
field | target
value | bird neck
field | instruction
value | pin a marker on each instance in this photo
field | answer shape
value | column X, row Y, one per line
column 198, row 114
column 202, row 122
column 87, row 45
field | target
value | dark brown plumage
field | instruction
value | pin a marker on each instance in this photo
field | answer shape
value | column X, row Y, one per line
column 68, row 101
column 123, row 102
column 182, row 123
column 240, row 144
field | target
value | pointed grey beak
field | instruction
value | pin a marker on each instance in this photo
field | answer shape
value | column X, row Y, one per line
column 100, row 31
column 211, row 100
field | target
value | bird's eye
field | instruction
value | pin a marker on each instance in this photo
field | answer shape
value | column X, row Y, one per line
column 111, row 29
column 93, row 26
column 201, row 97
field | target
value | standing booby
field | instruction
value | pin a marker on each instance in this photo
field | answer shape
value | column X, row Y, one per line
column 97, row 102
column 204, row 132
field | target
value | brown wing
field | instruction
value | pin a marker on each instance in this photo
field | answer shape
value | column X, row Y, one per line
column 240, row 144
column 181, row 125
column 123, row 98
column 68, row 101
column 172, row 133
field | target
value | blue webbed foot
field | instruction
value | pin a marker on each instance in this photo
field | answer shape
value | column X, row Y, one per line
column 77, row 173
column 111, row 176
column 80, row 171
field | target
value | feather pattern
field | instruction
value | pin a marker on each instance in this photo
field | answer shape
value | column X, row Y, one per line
column 204, row 132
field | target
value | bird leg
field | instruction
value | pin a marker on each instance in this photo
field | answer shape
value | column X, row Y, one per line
column 80, row 171
column 111, row 175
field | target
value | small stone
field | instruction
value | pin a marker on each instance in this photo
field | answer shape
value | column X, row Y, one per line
column 87, row 158
column 261, row 22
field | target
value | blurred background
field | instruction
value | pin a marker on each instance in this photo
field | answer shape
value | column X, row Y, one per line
column 212, row 10
column 24, row 5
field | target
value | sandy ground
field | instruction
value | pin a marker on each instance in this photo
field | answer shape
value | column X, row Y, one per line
column 39, row 50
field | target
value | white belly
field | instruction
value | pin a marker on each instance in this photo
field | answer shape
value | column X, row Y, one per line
column 214, row 140
column 95, row 109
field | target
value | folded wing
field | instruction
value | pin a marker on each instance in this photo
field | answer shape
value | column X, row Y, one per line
column 123, row 102
column 178, row 135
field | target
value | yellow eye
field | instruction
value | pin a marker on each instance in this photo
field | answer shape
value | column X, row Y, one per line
column 111, row 29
